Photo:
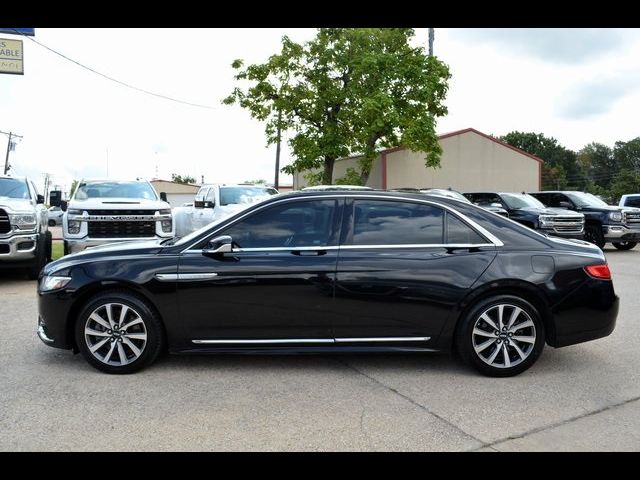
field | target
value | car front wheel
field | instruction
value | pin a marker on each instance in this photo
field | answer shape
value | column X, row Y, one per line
column 501, row 336
column 624, row 245
column 118, row 333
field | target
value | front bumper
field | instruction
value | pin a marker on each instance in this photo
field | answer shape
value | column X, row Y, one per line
column 620, row 233
column 561, row 234
column 16, row 248
column 78, row 245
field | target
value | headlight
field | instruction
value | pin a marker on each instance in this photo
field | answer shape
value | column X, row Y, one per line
column 544, row 219
column 73, row 227
column 74, row 212
column 166, row 211
column 24, row 221
column 615, row 216
column 53, row 283
column 166, row 226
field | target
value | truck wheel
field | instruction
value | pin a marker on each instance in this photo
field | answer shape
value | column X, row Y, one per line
column 49, row 246
column 593, row 234
column 624, row 245
column 52, row 223
column 39, row 262
column 66, row 248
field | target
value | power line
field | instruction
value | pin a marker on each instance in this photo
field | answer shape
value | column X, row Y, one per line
column 159, row 95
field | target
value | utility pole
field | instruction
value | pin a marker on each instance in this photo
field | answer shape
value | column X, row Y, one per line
column 431, row 35
column 47, row 177
column 9, row 145
column 275, row 182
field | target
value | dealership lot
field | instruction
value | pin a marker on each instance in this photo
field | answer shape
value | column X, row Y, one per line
column 583, row 397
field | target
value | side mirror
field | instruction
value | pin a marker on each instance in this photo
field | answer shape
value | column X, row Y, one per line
column 163, row 196
column 566, row 205
column 63, row 205
column 40, row 199
column 198, row 203
column 221, row 244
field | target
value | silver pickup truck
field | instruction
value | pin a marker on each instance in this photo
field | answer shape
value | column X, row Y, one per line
column 25, row 240
column 108, row 211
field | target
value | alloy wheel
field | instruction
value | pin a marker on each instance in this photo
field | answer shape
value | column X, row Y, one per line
column 504, row 336
column 115, row 334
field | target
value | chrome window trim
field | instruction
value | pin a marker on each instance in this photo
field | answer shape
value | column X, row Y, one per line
column 494, row 241
column 310, row 340
column 355, row 247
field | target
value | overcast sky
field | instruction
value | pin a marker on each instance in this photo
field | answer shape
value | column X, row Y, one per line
column 577, row 85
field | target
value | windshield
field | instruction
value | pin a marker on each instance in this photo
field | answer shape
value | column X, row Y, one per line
column 115, row 190
column 236, row 195
column 582, row 199
column 521, row 200
column 13, row 188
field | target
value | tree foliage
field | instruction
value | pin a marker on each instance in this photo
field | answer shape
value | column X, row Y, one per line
column 347, row 91
column 182, row 178
column 596, row 168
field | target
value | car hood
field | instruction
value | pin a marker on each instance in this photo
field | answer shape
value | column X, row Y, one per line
column 118, row 204
column 16, row 204
column 551, row 211
column 608, row 208
column 105, row 252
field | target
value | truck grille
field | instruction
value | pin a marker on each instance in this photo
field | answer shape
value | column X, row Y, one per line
column 121, row 229
column 5, row 224
column 568, row 225
column 633, row 217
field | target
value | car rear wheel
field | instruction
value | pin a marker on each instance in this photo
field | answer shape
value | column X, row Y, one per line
column 118, row 333
column 501, row 336
column 624, row 245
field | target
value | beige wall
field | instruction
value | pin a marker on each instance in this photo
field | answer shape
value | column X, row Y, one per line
column 173, row 187
column 469, row 162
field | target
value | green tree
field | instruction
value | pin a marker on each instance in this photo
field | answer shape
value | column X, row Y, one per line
column 256, row 182
column 597, row 164
column 627, row 155
column 347, row 91
column 627, row 181
column 560, row 169
column 182, row 178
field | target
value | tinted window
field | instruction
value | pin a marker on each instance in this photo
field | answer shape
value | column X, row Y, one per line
column 294, row 224
column 396, row 223
column 632, row 202
column 460, row 232
column 484, row 199
column 115, row 190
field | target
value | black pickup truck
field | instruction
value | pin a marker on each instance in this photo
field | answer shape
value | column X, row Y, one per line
column 525, row 209
column 604, row 223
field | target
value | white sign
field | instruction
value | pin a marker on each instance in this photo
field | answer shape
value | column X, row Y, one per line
column 11, row 59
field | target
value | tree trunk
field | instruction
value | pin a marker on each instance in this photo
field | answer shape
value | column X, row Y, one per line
column 364, row 178
column 327, row 175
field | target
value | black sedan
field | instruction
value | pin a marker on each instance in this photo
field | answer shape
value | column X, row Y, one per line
column 329, row 272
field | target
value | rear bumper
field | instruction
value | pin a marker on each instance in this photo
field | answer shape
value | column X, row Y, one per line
column 587, row 314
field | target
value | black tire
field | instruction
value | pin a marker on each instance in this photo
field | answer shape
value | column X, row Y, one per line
column 624, row 245
column 65, row 248
column 52, row 223
column 465, row 337
column 593, row 234
column 151, row 326
column 48, row 247
column 41, row 259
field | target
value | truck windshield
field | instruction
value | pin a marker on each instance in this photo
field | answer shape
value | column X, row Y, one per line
column 582, row 199
column 521, row 200
column 234, row 195
column 115, row 190
column 13, row 188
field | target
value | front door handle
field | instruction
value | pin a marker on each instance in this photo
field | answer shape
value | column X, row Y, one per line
column 309, row 253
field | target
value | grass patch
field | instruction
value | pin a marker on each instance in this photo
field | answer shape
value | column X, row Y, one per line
column 57, row 250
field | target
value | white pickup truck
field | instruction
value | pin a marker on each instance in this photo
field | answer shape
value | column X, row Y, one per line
column 107, row 211
column 25, row 240
column 216, row 201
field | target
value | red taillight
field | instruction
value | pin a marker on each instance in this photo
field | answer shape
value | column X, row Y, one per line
column 601, row 272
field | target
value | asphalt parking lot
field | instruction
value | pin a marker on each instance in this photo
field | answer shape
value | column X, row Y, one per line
column 583, row 397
